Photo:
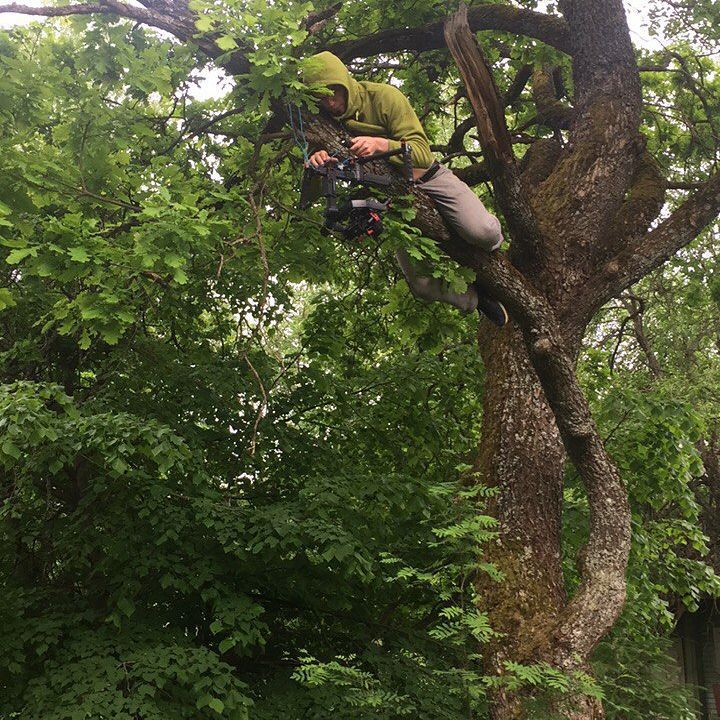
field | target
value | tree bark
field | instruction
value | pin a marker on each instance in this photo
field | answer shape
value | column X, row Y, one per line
column 521, row 456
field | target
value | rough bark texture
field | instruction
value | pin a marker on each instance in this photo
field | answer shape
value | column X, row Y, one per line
column 521, row 455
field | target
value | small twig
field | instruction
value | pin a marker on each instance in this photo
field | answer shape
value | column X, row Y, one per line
column 261, row 409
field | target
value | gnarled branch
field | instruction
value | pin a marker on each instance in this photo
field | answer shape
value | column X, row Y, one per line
column 600, row 597
column 546, row 28
column 494, row 136
column 646, row 198
column 550, row 110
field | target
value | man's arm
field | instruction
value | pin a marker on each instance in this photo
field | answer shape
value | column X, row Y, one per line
column 401, row 122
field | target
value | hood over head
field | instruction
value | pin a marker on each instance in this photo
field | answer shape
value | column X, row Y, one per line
column 328, row 69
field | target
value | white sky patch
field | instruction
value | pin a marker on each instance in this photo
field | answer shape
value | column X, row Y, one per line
column 215, row 83
column 636, row 10
column 638, row 21
column 11, row 19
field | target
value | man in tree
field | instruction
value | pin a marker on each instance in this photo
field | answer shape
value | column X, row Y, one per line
column 379, row 116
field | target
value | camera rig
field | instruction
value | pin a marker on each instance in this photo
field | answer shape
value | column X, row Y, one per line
column 359, row 217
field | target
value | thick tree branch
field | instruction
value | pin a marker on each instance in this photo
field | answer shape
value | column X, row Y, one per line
column 455, row 144
column 546, row 28
column 646, row 198
column 181, row 25
column 645, row 253
column 550, row 110
column 603, row 56
column 474, row 174
column 81, row 9
column 538, row 162
column 591, row 179
column 176, row 19
column 517, row 85
column 316, row 21
column 596, row 604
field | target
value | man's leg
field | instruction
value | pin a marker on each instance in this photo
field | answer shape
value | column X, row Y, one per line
column 462, row 209
column 434, row 289
column 464, row 213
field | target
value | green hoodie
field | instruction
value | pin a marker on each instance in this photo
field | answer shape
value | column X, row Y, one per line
column 376, row 109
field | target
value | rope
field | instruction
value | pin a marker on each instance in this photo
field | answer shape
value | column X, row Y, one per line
column 298, row 131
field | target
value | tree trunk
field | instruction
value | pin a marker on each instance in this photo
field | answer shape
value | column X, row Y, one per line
column 521, row 455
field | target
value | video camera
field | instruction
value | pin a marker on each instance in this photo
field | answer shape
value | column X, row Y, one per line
column 353, row 218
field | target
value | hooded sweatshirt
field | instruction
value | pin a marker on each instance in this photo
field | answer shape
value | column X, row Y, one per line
column 376, row 109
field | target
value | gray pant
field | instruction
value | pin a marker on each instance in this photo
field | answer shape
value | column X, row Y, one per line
column 465, row 215
column 461, row 208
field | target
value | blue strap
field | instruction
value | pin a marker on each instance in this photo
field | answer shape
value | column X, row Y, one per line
column 298, row 131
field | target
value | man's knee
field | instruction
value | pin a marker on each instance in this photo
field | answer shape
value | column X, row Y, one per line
column 423, row 288
column 484, row 231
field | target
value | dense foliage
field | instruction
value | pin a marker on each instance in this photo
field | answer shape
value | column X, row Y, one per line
column 236, row 454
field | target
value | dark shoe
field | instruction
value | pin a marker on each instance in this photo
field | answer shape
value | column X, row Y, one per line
column 493, row 310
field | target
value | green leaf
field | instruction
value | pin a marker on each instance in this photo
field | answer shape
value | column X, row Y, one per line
column 173, row 260
column 84, row 342
column 227, row 644
column 217, row 705
column 16, row 256
column 226, row 42
column 79, row 254
column 204, row 23
column 6, row 298
column 9, row 448
column 126, row 606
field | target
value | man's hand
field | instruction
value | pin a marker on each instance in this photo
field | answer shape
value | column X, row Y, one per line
column 321, row 157
column 362, row 146
column 365, row 145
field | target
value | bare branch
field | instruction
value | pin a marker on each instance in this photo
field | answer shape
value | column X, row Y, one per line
column 202, row 128
column 494, row 136
column 636, row 308
column 546, row 28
